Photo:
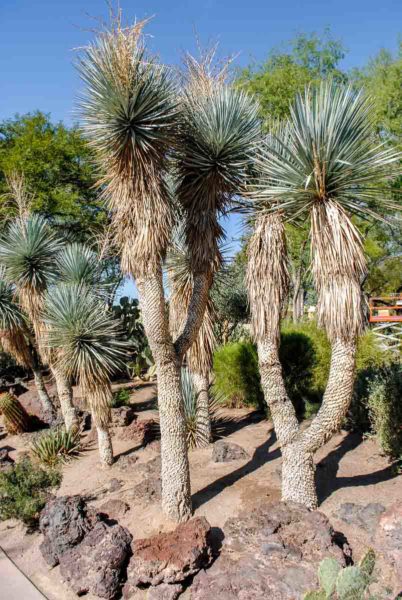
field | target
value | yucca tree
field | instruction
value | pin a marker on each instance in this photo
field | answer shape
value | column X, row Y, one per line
column 324, row 164
column 89, row 348
column 199, row 357
column 15, row 339
column 28, row 254
column 131, row 117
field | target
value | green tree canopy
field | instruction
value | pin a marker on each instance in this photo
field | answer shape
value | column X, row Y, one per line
column 57, row 167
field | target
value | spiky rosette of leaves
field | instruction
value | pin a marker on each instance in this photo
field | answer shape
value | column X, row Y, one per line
column 219, row 129
column 79, row 264
column 28, row 250
column 325, row 163
column 129, row 116
column 11, row 315
column 88, row 341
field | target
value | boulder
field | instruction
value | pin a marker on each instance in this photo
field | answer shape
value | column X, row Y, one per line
column 165, row 591
column 122, row 416
column 169, row 558
column 114, row 508
column 142, row 432
column 97, row 565
column 364, row 516
column 64, row 522
column 272, row 551
column 148, row 490
column 228, row 451
column 388, row 537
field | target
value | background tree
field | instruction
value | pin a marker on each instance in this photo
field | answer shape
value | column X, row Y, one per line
column 58, row 169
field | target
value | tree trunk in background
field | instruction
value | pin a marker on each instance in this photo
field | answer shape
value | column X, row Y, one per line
column 105, row 446
column 65, row 394
column 43, row 396
column 201, row 384
column 176, row 494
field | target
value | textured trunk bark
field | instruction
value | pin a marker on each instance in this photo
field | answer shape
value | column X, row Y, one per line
column 195, row 315
column 65, row 394
column 105, row 446
column 298, row 475
column 337, row 396
column 42, row 394
column 176, row 495
column 282, row 411
column 201, row 384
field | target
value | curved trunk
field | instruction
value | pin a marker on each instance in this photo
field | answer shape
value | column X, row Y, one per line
column 105, row 446
column 65, row 394
column 176, row 496
column 298, row 471
column 201, row 384
column 42, row 394
column 282, row 410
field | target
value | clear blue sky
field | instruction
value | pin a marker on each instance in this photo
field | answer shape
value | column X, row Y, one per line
column 38, row 37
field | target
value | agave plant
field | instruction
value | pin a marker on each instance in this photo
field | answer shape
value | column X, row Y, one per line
column 90, row 349
column 15, row 339
column 28, row 254
column 57, row 446
column 323, row 164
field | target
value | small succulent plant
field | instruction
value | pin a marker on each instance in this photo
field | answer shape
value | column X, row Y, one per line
column 349, row 583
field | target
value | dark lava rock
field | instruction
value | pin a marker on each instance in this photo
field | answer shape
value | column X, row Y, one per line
column 271, row 552
column 169, row 558
column 366, row 516
column 228, row 451
column 388, row 537
column 148, row 490
column 122, row 416
column 64, row 522
column 98, row 563
column 114, row 508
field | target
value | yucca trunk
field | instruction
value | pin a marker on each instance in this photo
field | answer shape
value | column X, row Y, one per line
column 204, row 431
column 43, row 395
column 65, row 394
column 98, row 393
column 176, row 495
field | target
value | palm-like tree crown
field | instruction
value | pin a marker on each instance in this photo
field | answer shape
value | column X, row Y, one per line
column 326, row 152
column 11, row 315
column 219, row 128
column 79, row 324
column 129, row 115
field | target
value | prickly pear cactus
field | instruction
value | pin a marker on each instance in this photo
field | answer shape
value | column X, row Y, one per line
column 367, row 563
column 351, row 584
column 16, row 420
column 315, row 595
column 327, row 573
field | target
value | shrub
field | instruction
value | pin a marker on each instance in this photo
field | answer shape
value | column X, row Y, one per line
column 24, row 489
column 121, row 398
column 57, row 446
column 237, row 377
column 385, row 409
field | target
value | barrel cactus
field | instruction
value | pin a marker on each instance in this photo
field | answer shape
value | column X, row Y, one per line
column 16, row 419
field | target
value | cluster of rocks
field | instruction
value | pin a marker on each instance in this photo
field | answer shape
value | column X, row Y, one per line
column 97, row 555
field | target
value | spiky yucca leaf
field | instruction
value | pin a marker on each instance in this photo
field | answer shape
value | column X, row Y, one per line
column 83, row 329
column 195, row 438
column 324, row 163
column 129, row 115
column 219, row 129
column 88, row 341
column 13, row 326
column 28, row 250
column 79, row 264
column 326, row 150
